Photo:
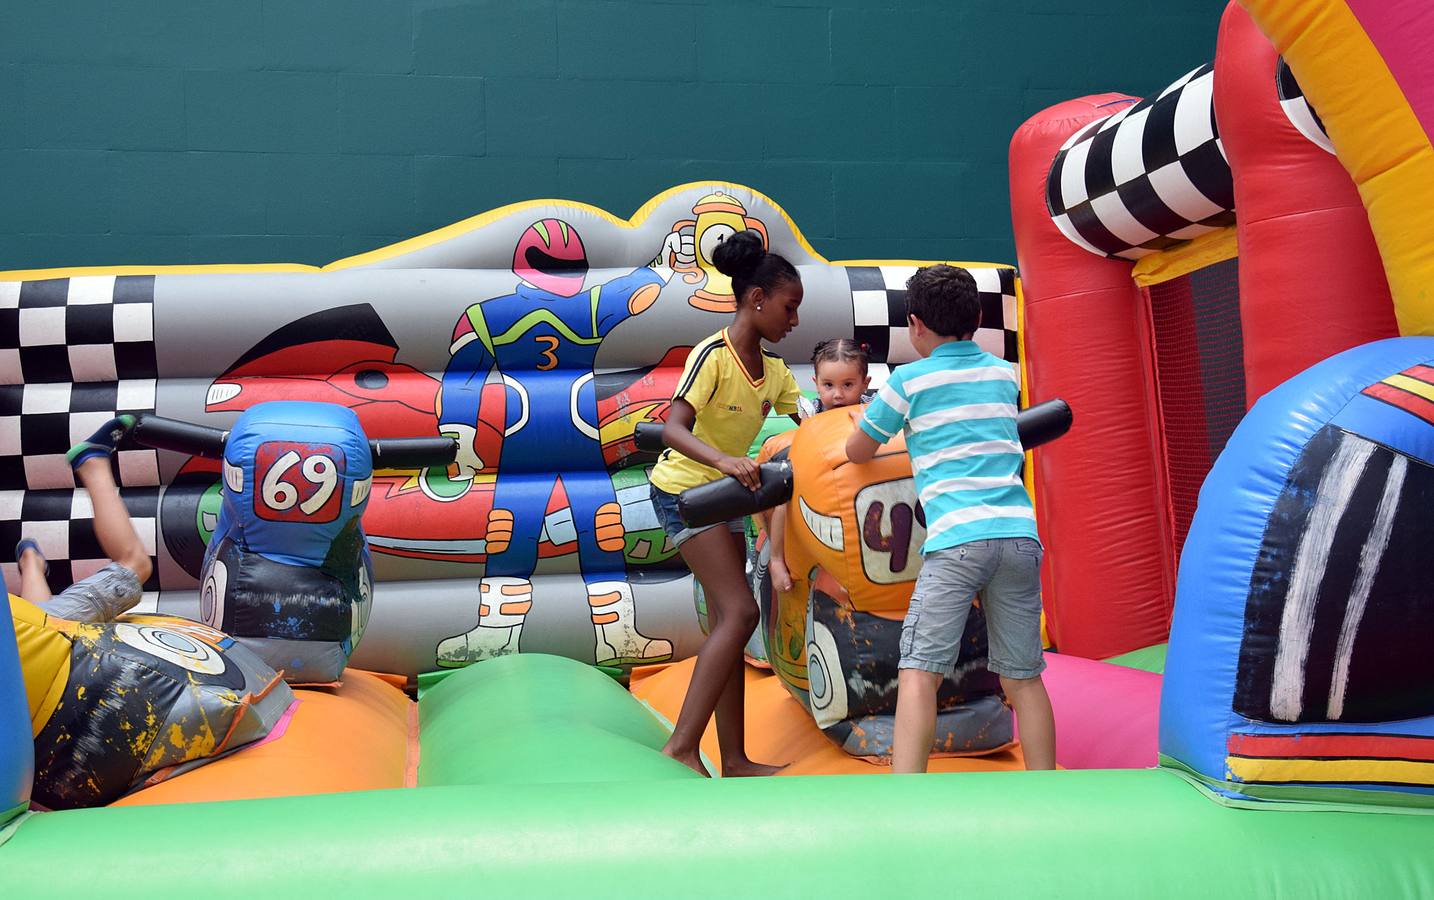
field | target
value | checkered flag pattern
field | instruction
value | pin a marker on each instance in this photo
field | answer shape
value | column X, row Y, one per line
column 1146, row 178
column 74, row 353
column 878, row 296
column 62, row 523
column 1298, row 109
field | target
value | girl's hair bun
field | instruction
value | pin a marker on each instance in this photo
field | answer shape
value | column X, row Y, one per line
column 739, row 256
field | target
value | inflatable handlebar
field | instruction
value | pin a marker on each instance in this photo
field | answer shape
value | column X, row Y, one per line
column 201, row 440
column 727, row 498
column 180, row 437
column 648, row 436
column 412, row 453
column 1043, row 423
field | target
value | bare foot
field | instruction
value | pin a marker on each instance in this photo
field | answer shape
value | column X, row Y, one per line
column 691, row 760
column 745, row 768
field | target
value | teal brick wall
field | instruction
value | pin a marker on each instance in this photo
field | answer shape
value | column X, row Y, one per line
column 184, row 131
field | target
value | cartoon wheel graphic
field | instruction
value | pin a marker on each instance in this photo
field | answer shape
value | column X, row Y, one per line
column 212, row 595
column 188, row 511
column 826, row 686
column 172, row 646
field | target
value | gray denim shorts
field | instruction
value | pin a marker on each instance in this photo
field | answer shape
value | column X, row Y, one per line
column 103, row 596
column 671, row 522
column 1006, row 573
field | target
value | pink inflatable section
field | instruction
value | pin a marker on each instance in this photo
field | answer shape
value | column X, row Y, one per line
column 1107, row 716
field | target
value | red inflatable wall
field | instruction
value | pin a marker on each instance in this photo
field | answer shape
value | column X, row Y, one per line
column 1311, row 283
column 1101, row 501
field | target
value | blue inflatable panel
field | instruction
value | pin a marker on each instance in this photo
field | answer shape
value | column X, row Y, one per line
column 1305, row 602
column 17, row 748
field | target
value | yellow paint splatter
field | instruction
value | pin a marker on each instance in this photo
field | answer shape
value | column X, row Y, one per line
column 196, row 746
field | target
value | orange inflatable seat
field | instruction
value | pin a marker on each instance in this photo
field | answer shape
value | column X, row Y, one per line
column 361, row 735
column 780, row 732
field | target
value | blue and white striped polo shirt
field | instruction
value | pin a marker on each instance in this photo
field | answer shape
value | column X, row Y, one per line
column 958, row 407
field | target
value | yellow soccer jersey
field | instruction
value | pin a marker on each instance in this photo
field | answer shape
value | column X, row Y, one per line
column 730, row 407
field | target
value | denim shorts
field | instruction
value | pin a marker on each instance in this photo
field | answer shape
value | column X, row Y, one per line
column 671, row 522
column 1006, row 573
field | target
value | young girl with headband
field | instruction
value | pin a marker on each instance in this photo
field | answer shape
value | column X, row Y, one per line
column 839, row 368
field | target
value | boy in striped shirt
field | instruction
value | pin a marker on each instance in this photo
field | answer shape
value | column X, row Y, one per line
column 957, row 406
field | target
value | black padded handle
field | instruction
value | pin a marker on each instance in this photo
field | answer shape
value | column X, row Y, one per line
column 412, row 453
column 648, row 436
column 1043, row 423
column 181, row 437
column 727, row 498
column 201, row 440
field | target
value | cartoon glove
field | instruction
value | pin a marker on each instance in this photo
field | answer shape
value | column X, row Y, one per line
column 679, row 251
column 469, row 462
column 500, row 530
column 608, row 527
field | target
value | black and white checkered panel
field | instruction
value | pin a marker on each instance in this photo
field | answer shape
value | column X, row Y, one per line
column 878, row 296
column 1298, row 109
column 74, row 353
column 62, row 523
column 1146, row 178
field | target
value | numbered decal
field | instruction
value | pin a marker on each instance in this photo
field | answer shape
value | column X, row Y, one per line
column 893, row 528
column 550, row 359
column 297, row 482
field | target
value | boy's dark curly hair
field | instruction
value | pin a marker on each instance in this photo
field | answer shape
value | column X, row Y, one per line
column 944, row 298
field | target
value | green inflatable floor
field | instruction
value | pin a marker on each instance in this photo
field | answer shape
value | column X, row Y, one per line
column 535, row 718
column 1147, row 659
column 541, row 778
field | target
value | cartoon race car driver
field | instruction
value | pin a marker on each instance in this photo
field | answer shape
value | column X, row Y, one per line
column 543, row 340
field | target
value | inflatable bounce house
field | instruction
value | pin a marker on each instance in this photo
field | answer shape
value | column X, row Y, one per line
column 417, row 472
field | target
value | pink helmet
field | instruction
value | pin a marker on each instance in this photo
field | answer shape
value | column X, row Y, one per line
column 550, row 256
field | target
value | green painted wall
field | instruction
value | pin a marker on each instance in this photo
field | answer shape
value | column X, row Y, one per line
column 174, row 131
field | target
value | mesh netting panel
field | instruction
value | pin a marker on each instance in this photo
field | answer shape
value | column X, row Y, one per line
column 1199, row 359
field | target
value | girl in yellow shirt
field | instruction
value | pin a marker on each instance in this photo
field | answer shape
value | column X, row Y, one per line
column 727, row 388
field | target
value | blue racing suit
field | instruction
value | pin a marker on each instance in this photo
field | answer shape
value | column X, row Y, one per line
column 544, row 346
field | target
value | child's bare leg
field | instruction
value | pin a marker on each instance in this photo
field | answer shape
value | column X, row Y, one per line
column 915, row 726
column 781, row 576
column 112, row 523
column 731, row 714
column 712, row 555
column 90, row 459
column 33, row 584
column 1038, row 724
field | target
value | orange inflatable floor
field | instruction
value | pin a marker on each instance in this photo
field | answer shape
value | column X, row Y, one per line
column 779, row 731
column 359, row 736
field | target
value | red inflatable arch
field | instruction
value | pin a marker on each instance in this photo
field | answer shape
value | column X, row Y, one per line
column 1161, row 323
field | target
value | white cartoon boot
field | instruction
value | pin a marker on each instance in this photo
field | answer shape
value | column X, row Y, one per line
column 614, row 619
column 503, row 606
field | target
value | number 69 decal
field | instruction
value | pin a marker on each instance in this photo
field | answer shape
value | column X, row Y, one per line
column 296, row 482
